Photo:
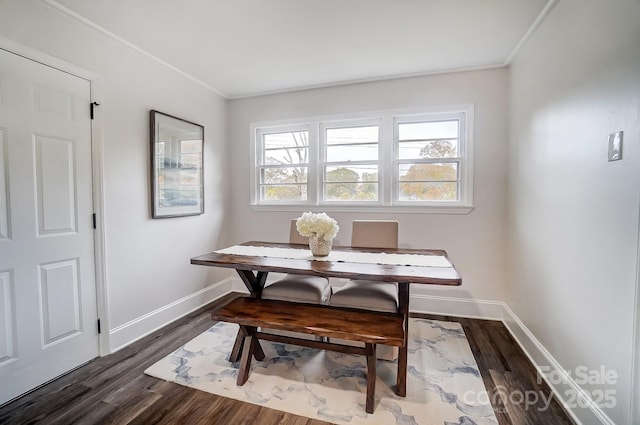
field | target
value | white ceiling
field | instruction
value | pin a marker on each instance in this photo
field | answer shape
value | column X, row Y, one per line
column 247, row 47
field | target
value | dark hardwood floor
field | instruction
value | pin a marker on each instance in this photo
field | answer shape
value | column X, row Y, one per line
column 114, row 389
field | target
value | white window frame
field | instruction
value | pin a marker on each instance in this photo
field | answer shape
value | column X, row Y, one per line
column 323, row 126
column 387, row 161
column 256, row 150
column 465, row 173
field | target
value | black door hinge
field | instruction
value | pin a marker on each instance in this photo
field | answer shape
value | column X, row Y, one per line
column 93, row 217
column 93, row 105
column 99, row 329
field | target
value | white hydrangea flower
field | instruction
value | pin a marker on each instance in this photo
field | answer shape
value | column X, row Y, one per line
column 319, row 224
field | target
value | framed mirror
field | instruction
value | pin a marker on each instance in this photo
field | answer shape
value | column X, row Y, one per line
column 177, row 181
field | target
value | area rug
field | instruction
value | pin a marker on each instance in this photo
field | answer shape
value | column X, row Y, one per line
column 444, row 385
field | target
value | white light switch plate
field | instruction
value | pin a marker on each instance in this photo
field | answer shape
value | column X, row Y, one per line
column 615, row 146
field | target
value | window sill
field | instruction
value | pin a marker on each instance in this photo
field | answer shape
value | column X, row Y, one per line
column 399, row 209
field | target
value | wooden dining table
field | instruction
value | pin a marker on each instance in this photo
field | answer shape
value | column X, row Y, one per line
column 253, row 271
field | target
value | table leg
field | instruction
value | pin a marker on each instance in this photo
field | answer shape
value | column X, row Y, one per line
column 403, row 307
column 255, row 284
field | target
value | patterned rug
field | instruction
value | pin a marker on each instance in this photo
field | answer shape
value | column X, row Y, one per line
column 444, row 385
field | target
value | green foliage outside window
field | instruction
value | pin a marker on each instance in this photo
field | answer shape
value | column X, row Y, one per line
column 431, row 181
column 344, row 184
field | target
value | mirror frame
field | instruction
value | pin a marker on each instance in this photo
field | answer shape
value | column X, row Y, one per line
column 168, row 171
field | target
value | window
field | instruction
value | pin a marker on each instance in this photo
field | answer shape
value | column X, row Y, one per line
column 350, row 166
column 428, row 161
column 283, row 165
column 388, row 160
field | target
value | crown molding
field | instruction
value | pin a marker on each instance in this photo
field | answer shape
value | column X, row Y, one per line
column 534, row 26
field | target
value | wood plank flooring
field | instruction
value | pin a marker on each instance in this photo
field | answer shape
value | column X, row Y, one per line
column 114, row 389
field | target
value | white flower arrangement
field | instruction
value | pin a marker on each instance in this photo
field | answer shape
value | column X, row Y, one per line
column 318, row 224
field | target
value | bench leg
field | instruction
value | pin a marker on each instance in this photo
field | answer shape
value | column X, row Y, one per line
column 401, row 387
column 245, row 362
column 258, row 354
column 371, row 377
column 237, row 346
column 255, row 284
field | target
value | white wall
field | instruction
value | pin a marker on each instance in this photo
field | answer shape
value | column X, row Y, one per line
column 147, row 261
column 475, row 241
column 573, row 215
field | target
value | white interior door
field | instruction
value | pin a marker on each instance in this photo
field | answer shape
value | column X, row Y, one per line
column 48, row 315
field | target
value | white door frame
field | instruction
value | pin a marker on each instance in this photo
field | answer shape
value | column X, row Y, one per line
column 635, row 355
column 97, row 161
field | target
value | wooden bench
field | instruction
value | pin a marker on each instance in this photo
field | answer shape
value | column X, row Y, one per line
column 368, row 327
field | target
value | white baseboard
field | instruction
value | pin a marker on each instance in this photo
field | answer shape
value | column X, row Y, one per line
column 140, row 327
column 568, row 391
column 456, row 307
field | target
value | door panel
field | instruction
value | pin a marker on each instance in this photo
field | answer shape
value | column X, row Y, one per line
column 55, row 180
column 59, row 300
column 48, row 321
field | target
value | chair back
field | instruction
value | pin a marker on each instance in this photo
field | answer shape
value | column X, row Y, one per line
column 374, row 234
column 294, row 236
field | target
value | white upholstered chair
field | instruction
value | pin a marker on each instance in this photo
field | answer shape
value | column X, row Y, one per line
column 367, row 294
column 297, row 287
